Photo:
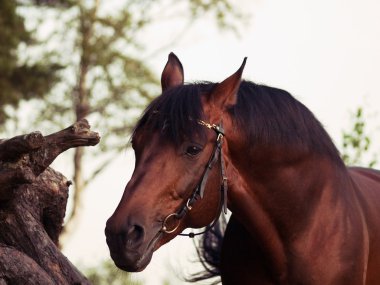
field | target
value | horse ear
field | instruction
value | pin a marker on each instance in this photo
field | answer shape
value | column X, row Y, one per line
column 225, row 93
column 172, row 75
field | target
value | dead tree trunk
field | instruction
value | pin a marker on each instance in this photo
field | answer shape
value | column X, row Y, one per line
column 33, row 201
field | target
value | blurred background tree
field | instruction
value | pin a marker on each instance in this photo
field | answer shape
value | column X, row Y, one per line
column 86, row 59
column 21, row 78
column 106, row 273
column 357, row 141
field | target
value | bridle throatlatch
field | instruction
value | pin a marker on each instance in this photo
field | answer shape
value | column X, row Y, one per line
column 198, row 192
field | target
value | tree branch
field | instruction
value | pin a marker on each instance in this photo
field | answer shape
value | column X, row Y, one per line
column 76, row 135
column 13, row 148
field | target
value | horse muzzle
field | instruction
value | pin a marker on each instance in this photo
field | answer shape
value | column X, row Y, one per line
column 131, row 249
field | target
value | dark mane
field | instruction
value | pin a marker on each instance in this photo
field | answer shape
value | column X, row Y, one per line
column 209, row 249
column 268, row 116
column 276, row 117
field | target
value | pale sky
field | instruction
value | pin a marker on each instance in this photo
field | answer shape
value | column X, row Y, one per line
column 326, row 53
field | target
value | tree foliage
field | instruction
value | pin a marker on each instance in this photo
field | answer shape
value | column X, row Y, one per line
column 106, row 273
column 356, row 142
column 21, row 78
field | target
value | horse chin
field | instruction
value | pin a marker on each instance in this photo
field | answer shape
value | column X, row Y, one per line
column 138, row 259
column 132, row 262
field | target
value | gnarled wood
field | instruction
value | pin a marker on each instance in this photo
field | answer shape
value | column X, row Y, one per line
column 33, row 201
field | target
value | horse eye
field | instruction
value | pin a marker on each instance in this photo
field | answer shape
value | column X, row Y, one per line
column 193, row 150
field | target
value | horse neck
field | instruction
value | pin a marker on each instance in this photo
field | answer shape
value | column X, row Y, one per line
column 283, row 182
column 274, row 192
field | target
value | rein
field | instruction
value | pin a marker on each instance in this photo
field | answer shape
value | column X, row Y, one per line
column 198, row 192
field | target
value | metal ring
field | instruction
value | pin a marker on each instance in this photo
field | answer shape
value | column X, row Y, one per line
column 188, row 205
column 164, row 227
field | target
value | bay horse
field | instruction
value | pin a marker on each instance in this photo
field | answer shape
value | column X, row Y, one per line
column 299, row 215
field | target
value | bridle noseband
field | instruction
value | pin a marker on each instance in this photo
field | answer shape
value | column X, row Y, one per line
column 198, row 192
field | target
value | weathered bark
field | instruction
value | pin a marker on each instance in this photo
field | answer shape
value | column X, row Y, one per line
column 33, row 201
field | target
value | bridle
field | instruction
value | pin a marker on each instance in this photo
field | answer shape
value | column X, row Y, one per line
column 198, row 192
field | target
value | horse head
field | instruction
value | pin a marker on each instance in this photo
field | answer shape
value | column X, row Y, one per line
column 178, row 171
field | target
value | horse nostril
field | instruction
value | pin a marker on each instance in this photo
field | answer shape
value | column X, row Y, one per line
column 134, row 235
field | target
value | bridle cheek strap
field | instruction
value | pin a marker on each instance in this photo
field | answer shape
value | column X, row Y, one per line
column 198, row 192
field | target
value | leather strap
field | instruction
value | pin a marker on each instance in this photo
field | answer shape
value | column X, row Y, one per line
column 198, row 192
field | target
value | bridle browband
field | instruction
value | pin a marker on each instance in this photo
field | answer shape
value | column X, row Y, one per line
column 198, row 192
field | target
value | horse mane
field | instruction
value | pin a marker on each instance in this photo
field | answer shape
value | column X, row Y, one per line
column 275, row 117
column 264, row 114
column 208, row 249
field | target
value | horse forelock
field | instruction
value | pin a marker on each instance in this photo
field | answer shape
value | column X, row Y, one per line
column 175, row 114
